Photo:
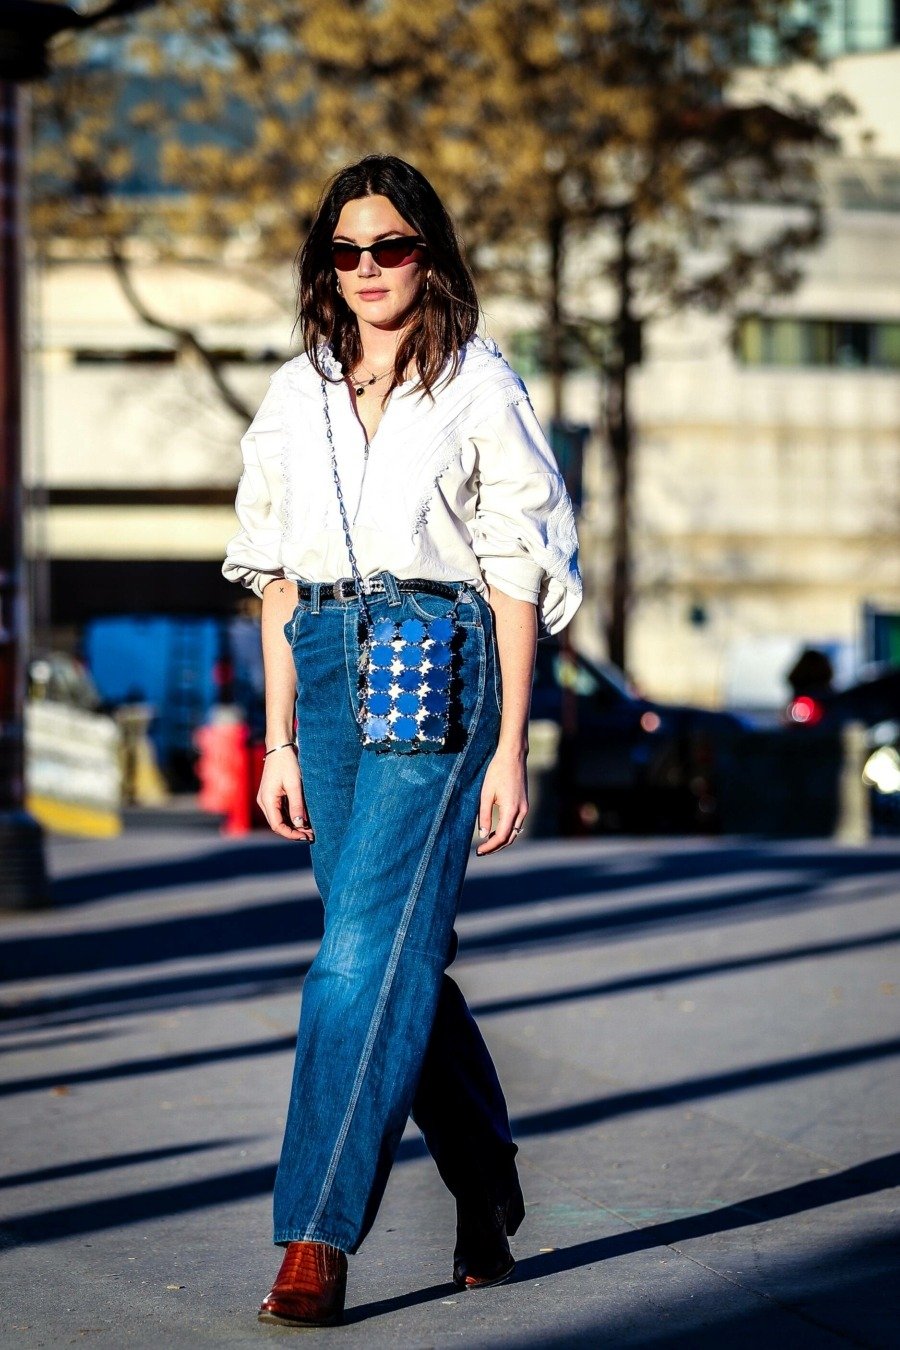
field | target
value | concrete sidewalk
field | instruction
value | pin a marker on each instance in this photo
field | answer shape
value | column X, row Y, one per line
column 699, row 1042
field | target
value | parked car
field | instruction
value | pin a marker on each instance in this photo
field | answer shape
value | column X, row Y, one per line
column 73, row 750
column 875, row 702
column 58, row 677
column 628, row 763
column 871, row 700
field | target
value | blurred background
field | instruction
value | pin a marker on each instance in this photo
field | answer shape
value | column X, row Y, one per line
column 684, row 222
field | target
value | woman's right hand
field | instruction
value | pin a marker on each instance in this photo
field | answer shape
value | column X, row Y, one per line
column 281, row 799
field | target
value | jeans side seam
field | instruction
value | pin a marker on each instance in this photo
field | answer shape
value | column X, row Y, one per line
column 396, row 951
column 351, row 690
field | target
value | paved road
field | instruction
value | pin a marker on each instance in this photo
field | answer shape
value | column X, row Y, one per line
column 699, row 1041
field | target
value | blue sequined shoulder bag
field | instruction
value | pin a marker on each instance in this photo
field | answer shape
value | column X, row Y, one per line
column 407, row 667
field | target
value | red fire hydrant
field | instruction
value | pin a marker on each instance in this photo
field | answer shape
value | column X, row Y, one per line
column 229, row 768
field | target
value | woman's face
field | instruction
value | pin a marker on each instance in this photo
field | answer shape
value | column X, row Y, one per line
column 380, row 296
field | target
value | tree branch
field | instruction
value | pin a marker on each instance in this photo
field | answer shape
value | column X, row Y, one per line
column 185, row 337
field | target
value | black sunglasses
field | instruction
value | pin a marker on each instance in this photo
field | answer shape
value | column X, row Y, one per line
column 392, row 252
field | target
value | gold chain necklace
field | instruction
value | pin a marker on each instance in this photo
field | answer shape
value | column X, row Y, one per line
column 360, row 389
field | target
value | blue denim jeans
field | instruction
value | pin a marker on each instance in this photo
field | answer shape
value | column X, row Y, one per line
column 384, row 1032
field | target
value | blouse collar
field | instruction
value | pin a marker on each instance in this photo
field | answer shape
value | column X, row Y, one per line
column 335, row 370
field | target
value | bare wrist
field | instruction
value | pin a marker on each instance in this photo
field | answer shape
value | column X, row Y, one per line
column 513, row 744
column 278, row 733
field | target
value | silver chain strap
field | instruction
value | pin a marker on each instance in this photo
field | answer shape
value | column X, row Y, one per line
column 354, row 567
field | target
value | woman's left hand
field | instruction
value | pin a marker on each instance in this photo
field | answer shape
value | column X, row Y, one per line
column 504, row 784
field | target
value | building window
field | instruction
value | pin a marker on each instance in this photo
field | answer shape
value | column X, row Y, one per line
column 887, row 345
column 168, row 356
column 851, row 344
column 582, row 349
column 839, row 27
column 115, row 356
column 871, row 189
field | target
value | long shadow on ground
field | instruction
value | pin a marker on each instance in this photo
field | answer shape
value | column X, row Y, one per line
column 828, row 1299
column 276, row 923
column 869, row 1178
column 198, row 988
column 225, row 1188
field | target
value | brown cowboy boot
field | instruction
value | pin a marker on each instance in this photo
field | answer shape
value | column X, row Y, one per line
column 309, row 1288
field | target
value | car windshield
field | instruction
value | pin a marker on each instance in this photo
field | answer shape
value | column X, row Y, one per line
column 569, row 671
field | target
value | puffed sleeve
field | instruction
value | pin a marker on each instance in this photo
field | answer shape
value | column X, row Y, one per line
column 523, row 530
column 253, row 555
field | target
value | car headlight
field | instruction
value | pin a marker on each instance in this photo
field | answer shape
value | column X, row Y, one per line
column 882, row 770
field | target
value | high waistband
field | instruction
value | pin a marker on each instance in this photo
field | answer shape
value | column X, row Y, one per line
column 345, row 588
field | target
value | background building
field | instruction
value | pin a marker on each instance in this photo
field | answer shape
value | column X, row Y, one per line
column 767, row 486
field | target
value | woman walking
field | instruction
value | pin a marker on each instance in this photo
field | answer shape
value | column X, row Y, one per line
column 405, row 523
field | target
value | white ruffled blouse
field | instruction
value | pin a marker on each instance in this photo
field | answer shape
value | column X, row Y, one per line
column 464, row 488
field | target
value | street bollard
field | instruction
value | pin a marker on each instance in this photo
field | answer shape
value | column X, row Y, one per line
column 23, row 875
column 854, row 824
column 542, row 821
column 223, row 769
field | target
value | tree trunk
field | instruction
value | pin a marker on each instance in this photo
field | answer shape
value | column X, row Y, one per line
column 555, row 369
column 623, row 356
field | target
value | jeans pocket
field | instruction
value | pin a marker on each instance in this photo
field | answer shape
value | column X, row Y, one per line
column 427, row 607
column 290, row 628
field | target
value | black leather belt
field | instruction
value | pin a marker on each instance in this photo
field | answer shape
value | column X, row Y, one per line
column 345, row 588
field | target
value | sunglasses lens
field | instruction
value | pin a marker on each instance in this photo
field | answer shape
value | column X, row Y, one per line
column 345, row 257
column 386, row 252
column 394, row 252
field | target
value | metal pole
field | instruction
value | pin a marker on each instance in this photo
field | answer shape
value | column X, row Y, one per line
column 23, row 877
column 26, row 26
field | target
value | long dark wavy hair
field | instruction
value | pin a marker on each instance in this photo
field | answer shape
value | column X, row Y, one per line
column 447, row 313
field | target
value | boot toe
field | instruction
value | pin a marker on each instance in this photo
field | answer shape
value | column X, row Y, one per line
column 310, row 1288
column 463, row 1278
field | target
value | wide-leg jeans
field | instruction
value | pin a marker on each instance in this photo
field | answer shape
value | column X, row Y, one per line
column 384, row 1032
